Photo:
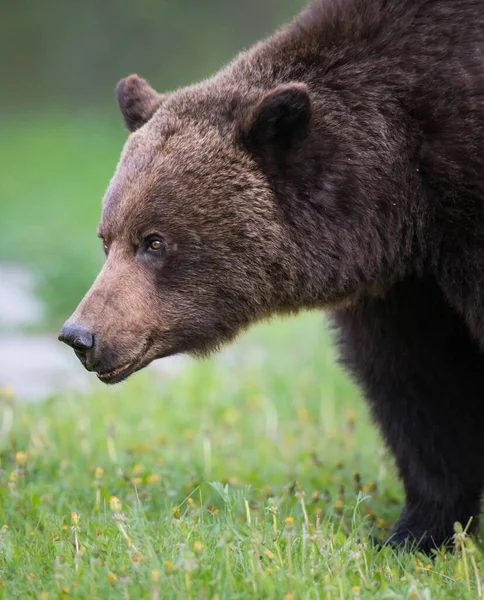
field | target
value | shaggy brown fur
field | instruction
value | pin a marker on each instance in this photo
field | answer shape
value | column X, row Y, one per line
column 338, row 164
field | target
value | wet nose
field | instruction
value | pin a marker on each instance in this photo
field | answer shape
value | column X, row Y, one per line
column 77, row 337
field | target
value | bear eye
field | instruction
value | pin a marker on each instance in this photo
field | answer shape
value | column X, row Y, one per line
column 103, row 241
column 155, row 245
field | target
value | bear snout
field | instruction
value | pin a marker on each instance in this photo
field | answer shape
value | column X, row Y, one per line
column 81, row 340
column 109, row 363
column 78, row 337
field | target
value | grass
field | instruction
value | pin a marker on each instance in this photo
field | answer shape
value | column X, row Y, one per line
column 253, row 475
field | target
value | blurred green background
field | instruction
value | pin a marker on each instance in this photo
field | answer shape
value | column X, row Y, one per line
column 61, row 134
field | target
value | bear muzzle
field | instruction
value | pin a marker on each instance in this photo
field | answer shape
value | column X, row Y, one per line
column 106, row 362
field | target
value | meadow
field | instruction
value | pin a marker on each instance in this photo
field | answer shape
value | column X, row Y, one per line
column 254, row 474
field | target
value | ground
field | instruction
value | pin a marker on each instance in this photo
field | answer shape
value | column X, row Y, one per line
column 256, row 474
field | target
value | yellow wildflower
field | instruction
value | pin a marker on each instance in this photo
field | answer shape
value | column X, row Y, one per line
column 155, row 576
column 115, row 504
column 169, row 566
column 21, row 458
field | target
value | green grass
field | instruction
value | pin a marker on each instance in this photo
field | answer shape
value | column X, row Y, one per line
column 235, row 478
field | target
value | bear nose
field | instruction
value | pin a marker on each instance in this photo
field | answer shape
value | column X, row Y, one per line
column 77, row 337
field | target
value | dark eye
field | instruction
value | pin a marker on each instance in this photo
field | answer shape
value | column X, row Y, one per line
column 105, row 248
column 155, row 245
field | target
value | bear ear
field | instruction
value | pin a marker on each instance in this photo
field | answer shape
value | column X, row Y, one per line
column 279, row 122
column 137, row 100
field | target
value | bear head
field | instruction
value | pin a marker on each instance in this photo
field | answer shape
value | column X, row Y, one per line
column 197, row 242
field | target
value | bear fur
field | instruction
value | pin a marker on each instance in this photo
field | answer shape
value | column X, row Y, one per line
column 337, row 165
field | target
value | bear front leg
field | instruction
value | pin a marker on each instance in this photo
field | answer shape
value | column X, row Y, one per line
column 423, row 376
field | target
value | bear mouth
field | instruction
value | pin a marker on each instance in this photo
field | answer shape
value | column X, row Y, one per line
column 119, row 374
column 124, row 371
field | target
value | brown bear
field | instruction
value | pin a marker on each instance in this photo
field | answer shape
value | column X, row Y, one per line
column 337, row 165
